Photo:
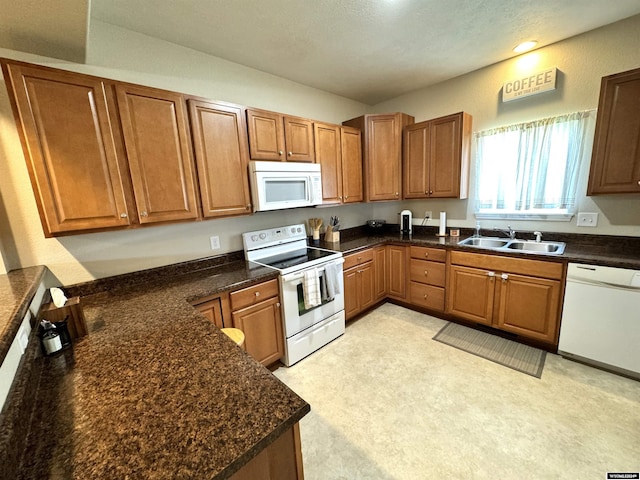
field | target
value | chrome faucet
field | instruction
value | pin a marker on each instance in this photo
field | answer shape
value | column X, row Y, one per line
column 511, row 233
column 538, row 236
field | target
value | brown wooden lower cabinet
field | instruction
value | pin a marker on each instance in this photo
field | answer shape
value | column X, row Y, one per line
column 359, row 283
column 502, row 293
column 380, row 271
column 397, row 268
column 282, row 460
column 256, row 311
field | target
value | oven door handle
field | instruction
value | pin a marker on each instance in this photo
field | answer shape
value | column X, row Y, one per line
column 292, row 277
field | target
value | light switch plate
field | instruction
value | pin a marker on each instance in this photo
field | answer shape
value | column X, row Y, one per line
column 587, row 219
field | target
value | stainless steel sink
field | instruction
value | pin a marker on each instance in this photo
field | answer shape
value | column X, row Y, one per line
column 515, row 245
column 485, row 242
column 556, row 248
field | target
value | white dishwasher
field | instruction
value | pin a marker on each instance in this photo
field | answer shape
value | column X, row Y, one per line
column 601, row 318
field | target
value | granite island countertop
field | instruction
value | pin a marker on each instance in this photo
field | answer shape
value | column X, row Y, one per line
column 155, row 390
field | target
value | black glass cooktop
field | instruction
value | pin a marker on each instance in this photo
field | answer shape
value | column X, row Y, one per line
column 296, row 257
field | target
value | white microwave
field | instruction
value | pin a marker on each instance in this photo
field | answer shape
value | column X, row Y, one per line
column 279, row 185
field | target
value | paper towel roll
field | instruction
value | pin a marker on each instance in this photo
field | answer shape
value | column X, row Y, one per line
column 443, row 223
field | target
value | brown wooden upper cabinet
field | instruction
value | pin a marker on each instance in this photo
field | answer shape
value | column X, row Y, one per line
column 382, row 153
column 157, row 139
column 72, row 146
column 615, row 161
column 273, row 136
column 222, row 156
column 338, row 151
column 436, row 157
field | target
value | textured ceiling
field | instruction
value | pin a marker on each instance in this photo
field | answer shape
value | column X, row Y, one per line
column 367, row 50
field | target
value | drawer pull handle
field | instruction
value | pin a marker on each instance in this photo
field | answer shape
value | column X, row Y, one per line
column 426, row 254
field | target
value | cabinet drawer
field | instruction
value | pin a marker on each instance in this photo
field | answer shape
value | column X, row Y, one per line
column 358, row 258
column 254, row 294
column 432, row 254
column 523, row 266
column 423, row 271
column 426, row 296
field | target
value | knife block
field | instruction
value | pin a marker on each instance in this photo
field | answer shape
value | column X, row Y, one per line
column 331, row 236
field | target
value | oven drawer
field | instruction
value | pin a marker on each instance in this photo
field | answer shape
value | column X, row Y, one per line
column 358, row 258
column 426, row 253
column 254, row 294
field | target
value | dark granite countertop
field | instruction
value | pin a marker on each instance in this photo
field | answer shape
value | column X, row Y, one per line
column 612, row 251
column 155, row 390
column 17, row 289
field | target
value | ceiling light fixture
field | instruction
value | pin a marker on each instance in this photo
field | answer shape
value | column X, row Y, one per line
column 525, row 46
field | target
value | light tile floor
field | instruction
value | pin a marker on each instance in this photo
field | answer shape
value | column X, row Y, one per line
column 388, row 402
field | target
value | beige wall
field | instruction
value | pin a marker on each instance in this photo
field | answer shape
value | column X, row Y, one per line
column 121, row 54
column 581, row 62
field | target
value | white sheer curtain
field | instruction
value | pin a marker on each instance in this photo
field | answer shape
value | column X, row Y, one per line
column 532, row 168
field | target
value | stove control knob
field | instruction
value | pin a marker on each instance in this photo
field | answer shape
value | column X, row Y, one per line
column 293, row 229
column 299, row 229
column 254, row 238
column 263, row 236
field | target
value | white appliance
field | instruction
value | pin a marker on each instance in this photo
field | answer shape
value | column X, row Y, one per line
column 600, row 320
column 285, row 249
column 280, row 185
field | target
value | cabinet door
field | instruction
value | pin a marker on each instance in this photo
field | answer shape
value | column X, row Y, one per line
column 470, row 294
column 327, row 138
column 213, row 311
column 351, row 141
column 298, row 139
column 266, row 135
column 222, row 156
column 380, row 272
column 529, row 306
column 262, row 327
column 367, row 285
column 397, row 271
column 157, row 138
column 383, row 160
column 416, row 160
column 615, row 163
column 445, row 157
column 351, row 293
column 74, row 154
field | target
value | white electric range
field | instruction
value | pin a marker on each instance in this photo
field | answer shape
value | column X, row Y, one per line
column 285, row 249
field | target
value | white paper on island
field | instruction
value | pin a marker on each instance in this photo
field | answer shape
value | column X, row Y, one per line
column 58, row 297
column 443, row 223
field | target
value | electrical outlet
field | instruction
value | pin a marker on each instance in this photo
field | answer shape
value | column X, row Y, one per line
column 428, row 215
column 587, row 219
column 215, row 242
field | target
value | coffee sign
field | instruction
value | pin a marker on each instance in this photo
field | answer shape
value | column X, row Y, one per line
column 532, row 84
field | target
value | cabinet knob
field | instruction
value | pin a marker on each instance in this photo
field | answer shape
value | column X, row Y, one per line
column 346, row 196
column 425, row 296
column 430, row 192
column 143, row 214
column 396, row 194
column 123, row 215
column 249, row 207
column 638, row 182
column 426, row 272
column 426, row 254
column 290, row 153
column 280, row 152
column 278, row 304
column 257, row 294
column 491, row 274
column 504, row 277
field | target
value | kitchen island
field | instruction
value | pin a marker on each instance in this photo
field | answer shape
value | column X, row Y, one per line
column 155, row 390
